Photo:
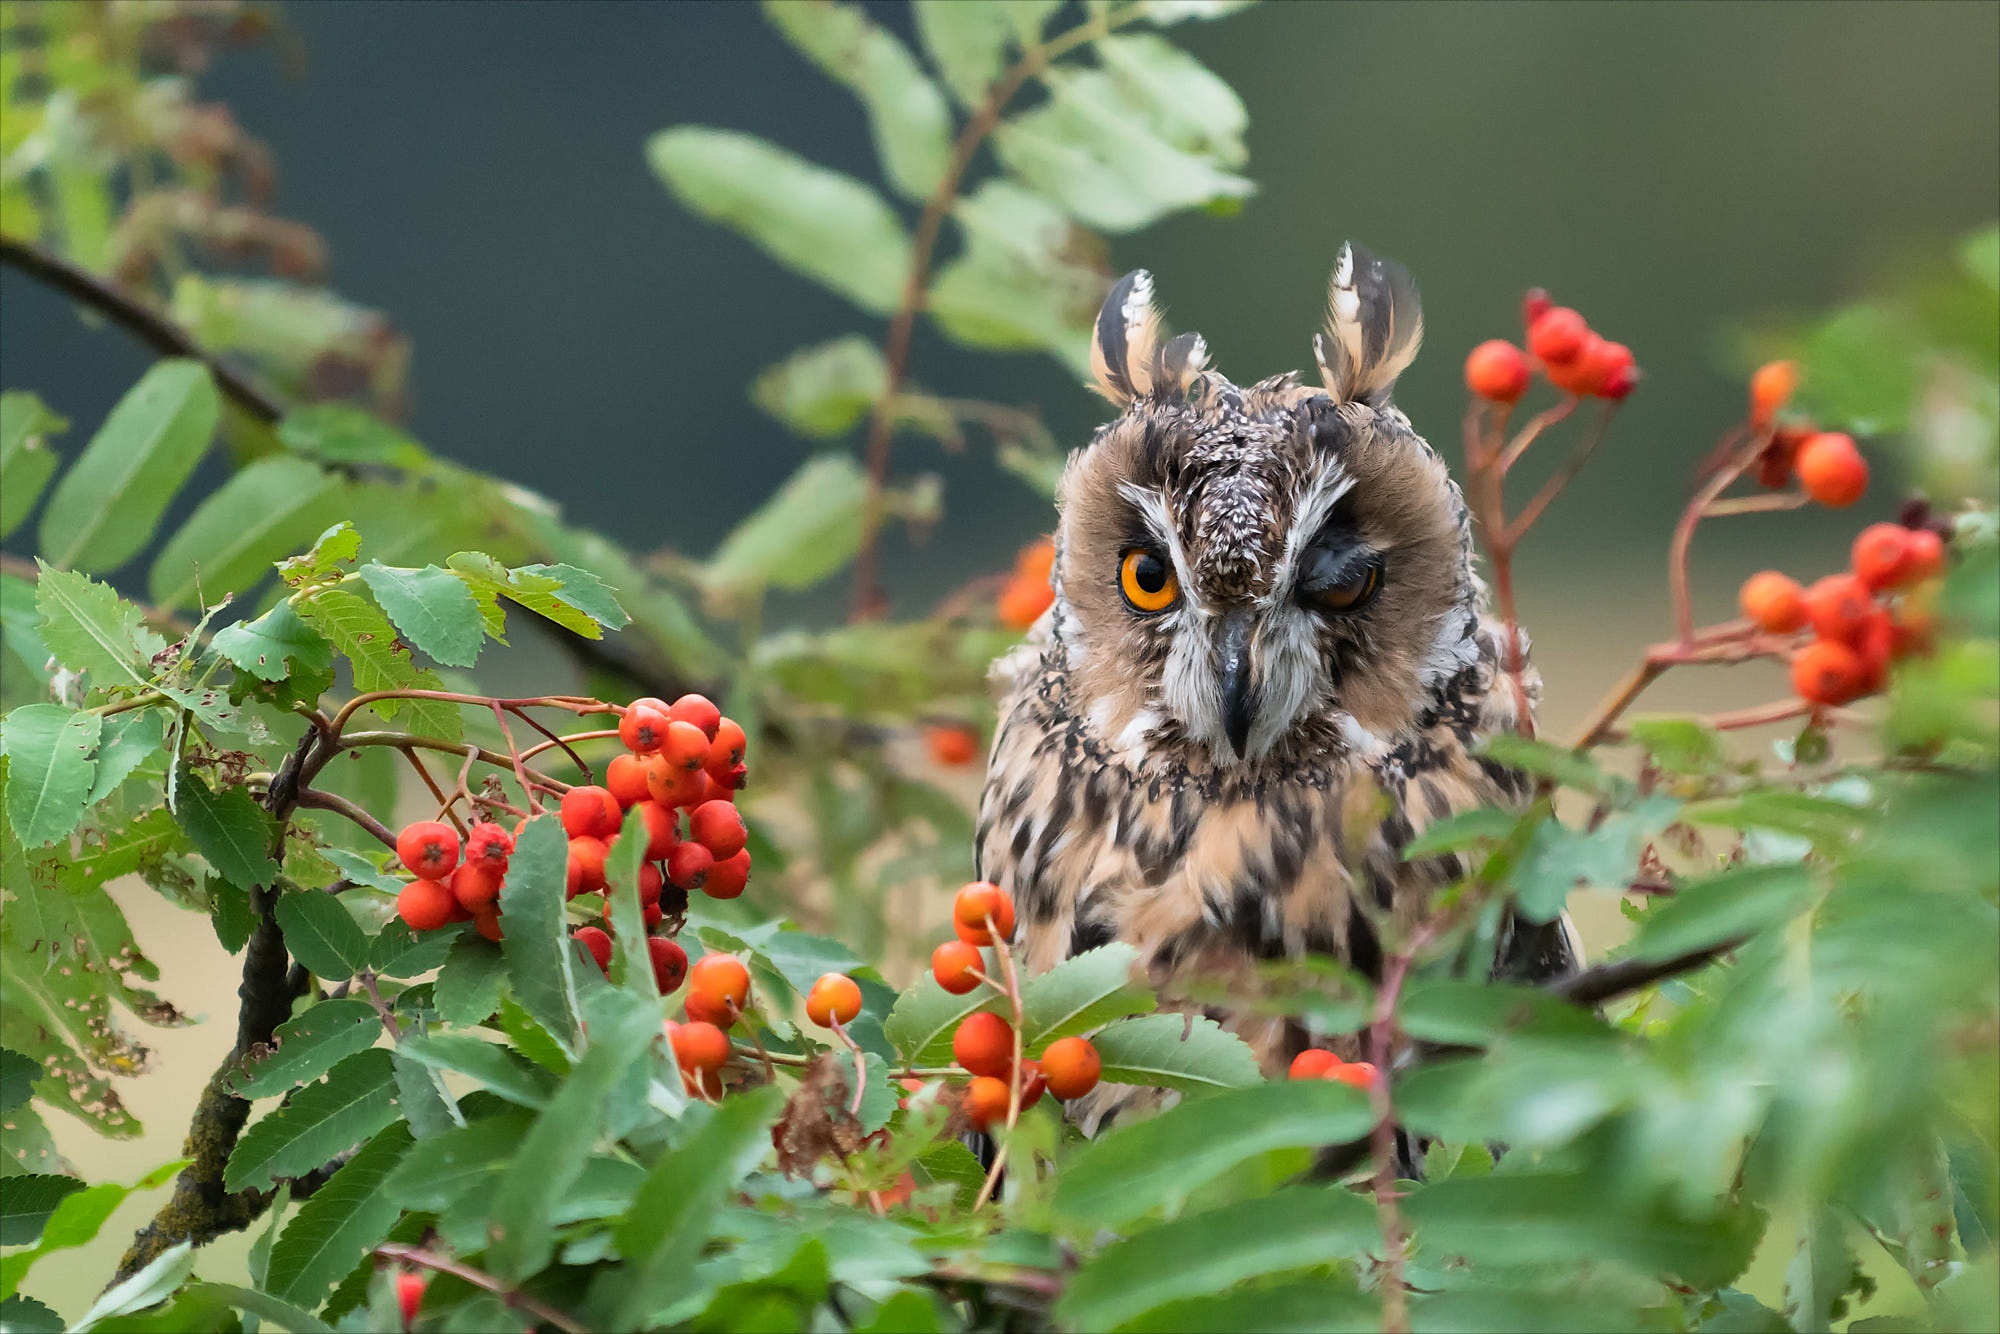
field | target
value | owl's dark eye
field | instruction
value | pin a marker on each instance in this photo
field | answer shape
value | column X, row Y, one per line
column 1146, row 580
column 1340, row 581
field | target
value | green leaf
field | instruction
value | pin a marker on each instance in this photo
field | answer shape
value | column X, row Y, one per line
column 106, row 506
column 343, row 1221
column 923, row 1019
column 968, row 40
column 1722, row 908
column 307, row 1045
column 18, row 1074
column 1119, row 1177
column 562, row 593
column 26, row 461
column 127, row 741
column 257, row 517
column 1475, row 1013
column 950, row 1161
column 1082, row 992
column 49, row 769
column 274, row 645
column 1301, row 1228
column 25, row 1315
column 1169, row 1051
column 1178, row 97
column 1029, row 277
column 580, row 590
column 536, row 945
column 468, row 986
column 21, row 630
column 434, row 610
column 553, row 1152
column 91, row 629
column 76, row 1221
column 357, row 628
column 906, row 112
column 335, row 547
column 1164, row 12
column 1606, row 856
column 824, row 390
column 322, row 934
column 284, row 1314
column 398, row 951
column 456, row 1163
column 508, row 1074
column 1462, row 830
column 149, row 1287
column 631, row 958
column 27, row 1203
column 685, row 1190
column 806, row 532
column 357, row 1099
column 343, row 433
column 828, row 226
column 231, row 830
column 1828, row 823
column 428, row 1105
column 1545, row 760
column 1680, row 745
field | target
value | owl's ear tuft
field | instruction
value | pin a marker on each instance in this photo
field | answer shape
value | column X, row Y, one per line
column 1129, row 359
column 1374, row 324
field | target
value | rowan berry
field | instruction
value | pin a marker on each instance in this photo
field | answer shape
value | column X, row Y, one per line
column 625, row 779
column 718, row 826
column 1828, row 672
column 955, row 964
column 688, row 865
column 598, row 943
column 685, row 746
column 1770, row 389
column 1557, row 336
column 1774, row 601
column 1022, row 602
column 726, row 783
column 489, row 844
column 1882, row 555
column 725, row 752
column 721, row 977
column 984, row 1044
column 1036, row 562
column 1831, row 469
column 727, row 877
column 1875, row 645
column 710, row 1009
column 1313, row 1063
column 670, row 963
column 1360, row 1074
column 834, row 998
column 487, row 923
column 699, row 710
column 670, row 785
column 986, row 1102
column 410, row 1295
column 1497, row 371
column 1926, row 555
column 1033, row 1083
column 590, row 812
column 663, row 829
column 586, row 866
column 977, row 902
column 1608, row 370
column 425, row 904
column 475, row 885
column 651, row 882
column 1574, row 376
column 652, row 914
column 1072, row 1067
column 429, row 848
column 700, row 1046
column 1838, row 606
column 643, row 728
column 1775, row 465
column 951, row 745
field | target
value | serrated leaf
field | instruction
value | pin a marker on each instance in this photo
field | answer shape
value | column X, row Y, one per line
column 260, row 515
column 229, row 829
column 828, row 226
column 335, row 547
column 536, row 945
column 27, row 1203
column 127, row 741
column 1300, row 1228
column 456, row 1162
column 357, row 1098
column 1557, row 763
column 968, row 40
column 18, row 1074
column 274, row 645
column 344, row 1220
column 1605, row 856
column 906, row 113
column 49, row 769
column 468, row 985
column 924, row 1018
column 434, row 610
column 287, row 1316
column 1167, row 1051
column 508, row 1074
column 1119, row 1178
column 581, row 591
column 26, row 461
column 309, row 1044
column 106, row 506
column 1465, row 1014
column 825, row 390
column 1680, row 745
column 541, row 589
column 321, row 934
column 149, row 1287
column 427, row 1104
column 631, row 957
column 24, row 1315
column 357, row 628
column 89, row 628
column 1082, row 992
column 803, row 534
column 21, row 630
column 1730, row 906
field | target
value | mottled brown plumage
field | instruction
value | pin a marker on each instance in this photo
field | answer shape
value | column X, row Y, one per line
column 1216, row 781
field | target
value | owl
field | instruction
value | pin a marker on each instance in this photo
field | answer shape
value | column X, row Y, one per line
column 1267, row 667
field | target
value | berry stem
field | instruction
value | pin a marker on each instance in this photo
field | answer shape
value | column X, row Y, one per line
column 479, row 1278
column 409, row 740
column 514, row 751
column 1013, row 989
column 1733, row 465
column 1381, row 1053
column 314, row 799
column 1571, row 466
column 445, row 810
column 589, row 774
column 563, row 741
column 1789, row 500
column 1538, row 423
column 860, row 1069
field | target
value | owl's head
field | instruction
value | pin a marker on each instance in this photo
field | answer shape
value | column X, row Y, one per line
column 1264, row 576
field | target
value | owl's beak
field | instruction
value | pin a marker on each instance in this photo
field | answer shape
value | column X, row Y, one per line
column 1238, row 694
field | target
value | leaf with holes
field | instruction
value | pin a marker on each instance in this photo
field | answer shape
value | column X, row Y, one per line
column 274, row 645
column 49, row 769
column 433, row 609
column 307, row 1045
column 1189, row 1053
column 229, row 829
column 89, row 628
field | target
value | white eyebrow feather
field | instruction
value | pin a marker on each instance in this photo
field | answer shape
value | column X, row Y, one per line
column 1152, row 509
column 1328, row 486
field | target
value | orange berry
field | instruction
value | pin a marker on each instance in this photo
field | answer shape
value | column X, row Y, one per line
column 590, row 812
column 598, row 943
column 1023, row 601
column 986, row 1102
column 1838, row 606
column 974, row 904
column 718, row 826
column 1071, row 1066
column 725, row 752
column 586, row 866
column 1770, row 389
column 685, row 745
column 643, row 728
column 670, row 963
column 1557, row 336
column 410, row 1296
column 725, row 783
column 651, row 882
column 726, row 879
column 1497, row 371
column 489, row 843
column 1831, row 469
column 688, row 865
column 1608, row 370
column 487, row 923
column 1037, row 561
column 1881, row 555
column 1313, row 1063
column 1358, row 1073
column 670, row 785
column 663, row 829
column 1774, row 601
column 954, row 964
column 1033, row 1083
column 1827, row 672
column 700, row 1046
column 625, row 780
column 425, row 905
column 1875, row 645
column 429, row 848
column 721, row 977
column 475, row 885
column 699, row 710
column 1926, row 555
column 710, row 1009
column 951, row 746
column 984, row 1044
column 834, row 998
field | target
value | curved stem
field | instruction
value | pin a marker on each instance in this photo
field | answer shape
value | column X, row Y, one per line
column 479, row 1278
column 407, row 741
column 313, row 799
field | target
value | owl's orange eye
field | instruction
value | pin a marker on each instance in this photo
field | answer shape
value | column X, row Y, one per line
column 1147, row 581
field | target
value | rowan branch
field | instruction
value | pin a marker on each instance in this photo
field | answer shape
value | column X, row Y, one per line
column 1608, row 981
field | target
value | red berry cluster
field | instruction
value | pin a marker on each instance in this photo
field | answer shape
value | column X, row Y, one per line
column 1028, row 590
column 1828, row 466
column 1317, row 1063
column 1861, row 620
column 1574, row 358
column 446, row 889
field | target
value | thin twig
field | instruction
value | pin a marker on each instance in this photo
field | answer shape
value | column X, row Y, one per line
column 1570, row 468
column 314, row 799
column 479, row 1278
column 382, row 1011
column 1607, row 981
column 589, row 774
column 1013, row 990
column 514, row 753
column 416, row 762
column 409, row 740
